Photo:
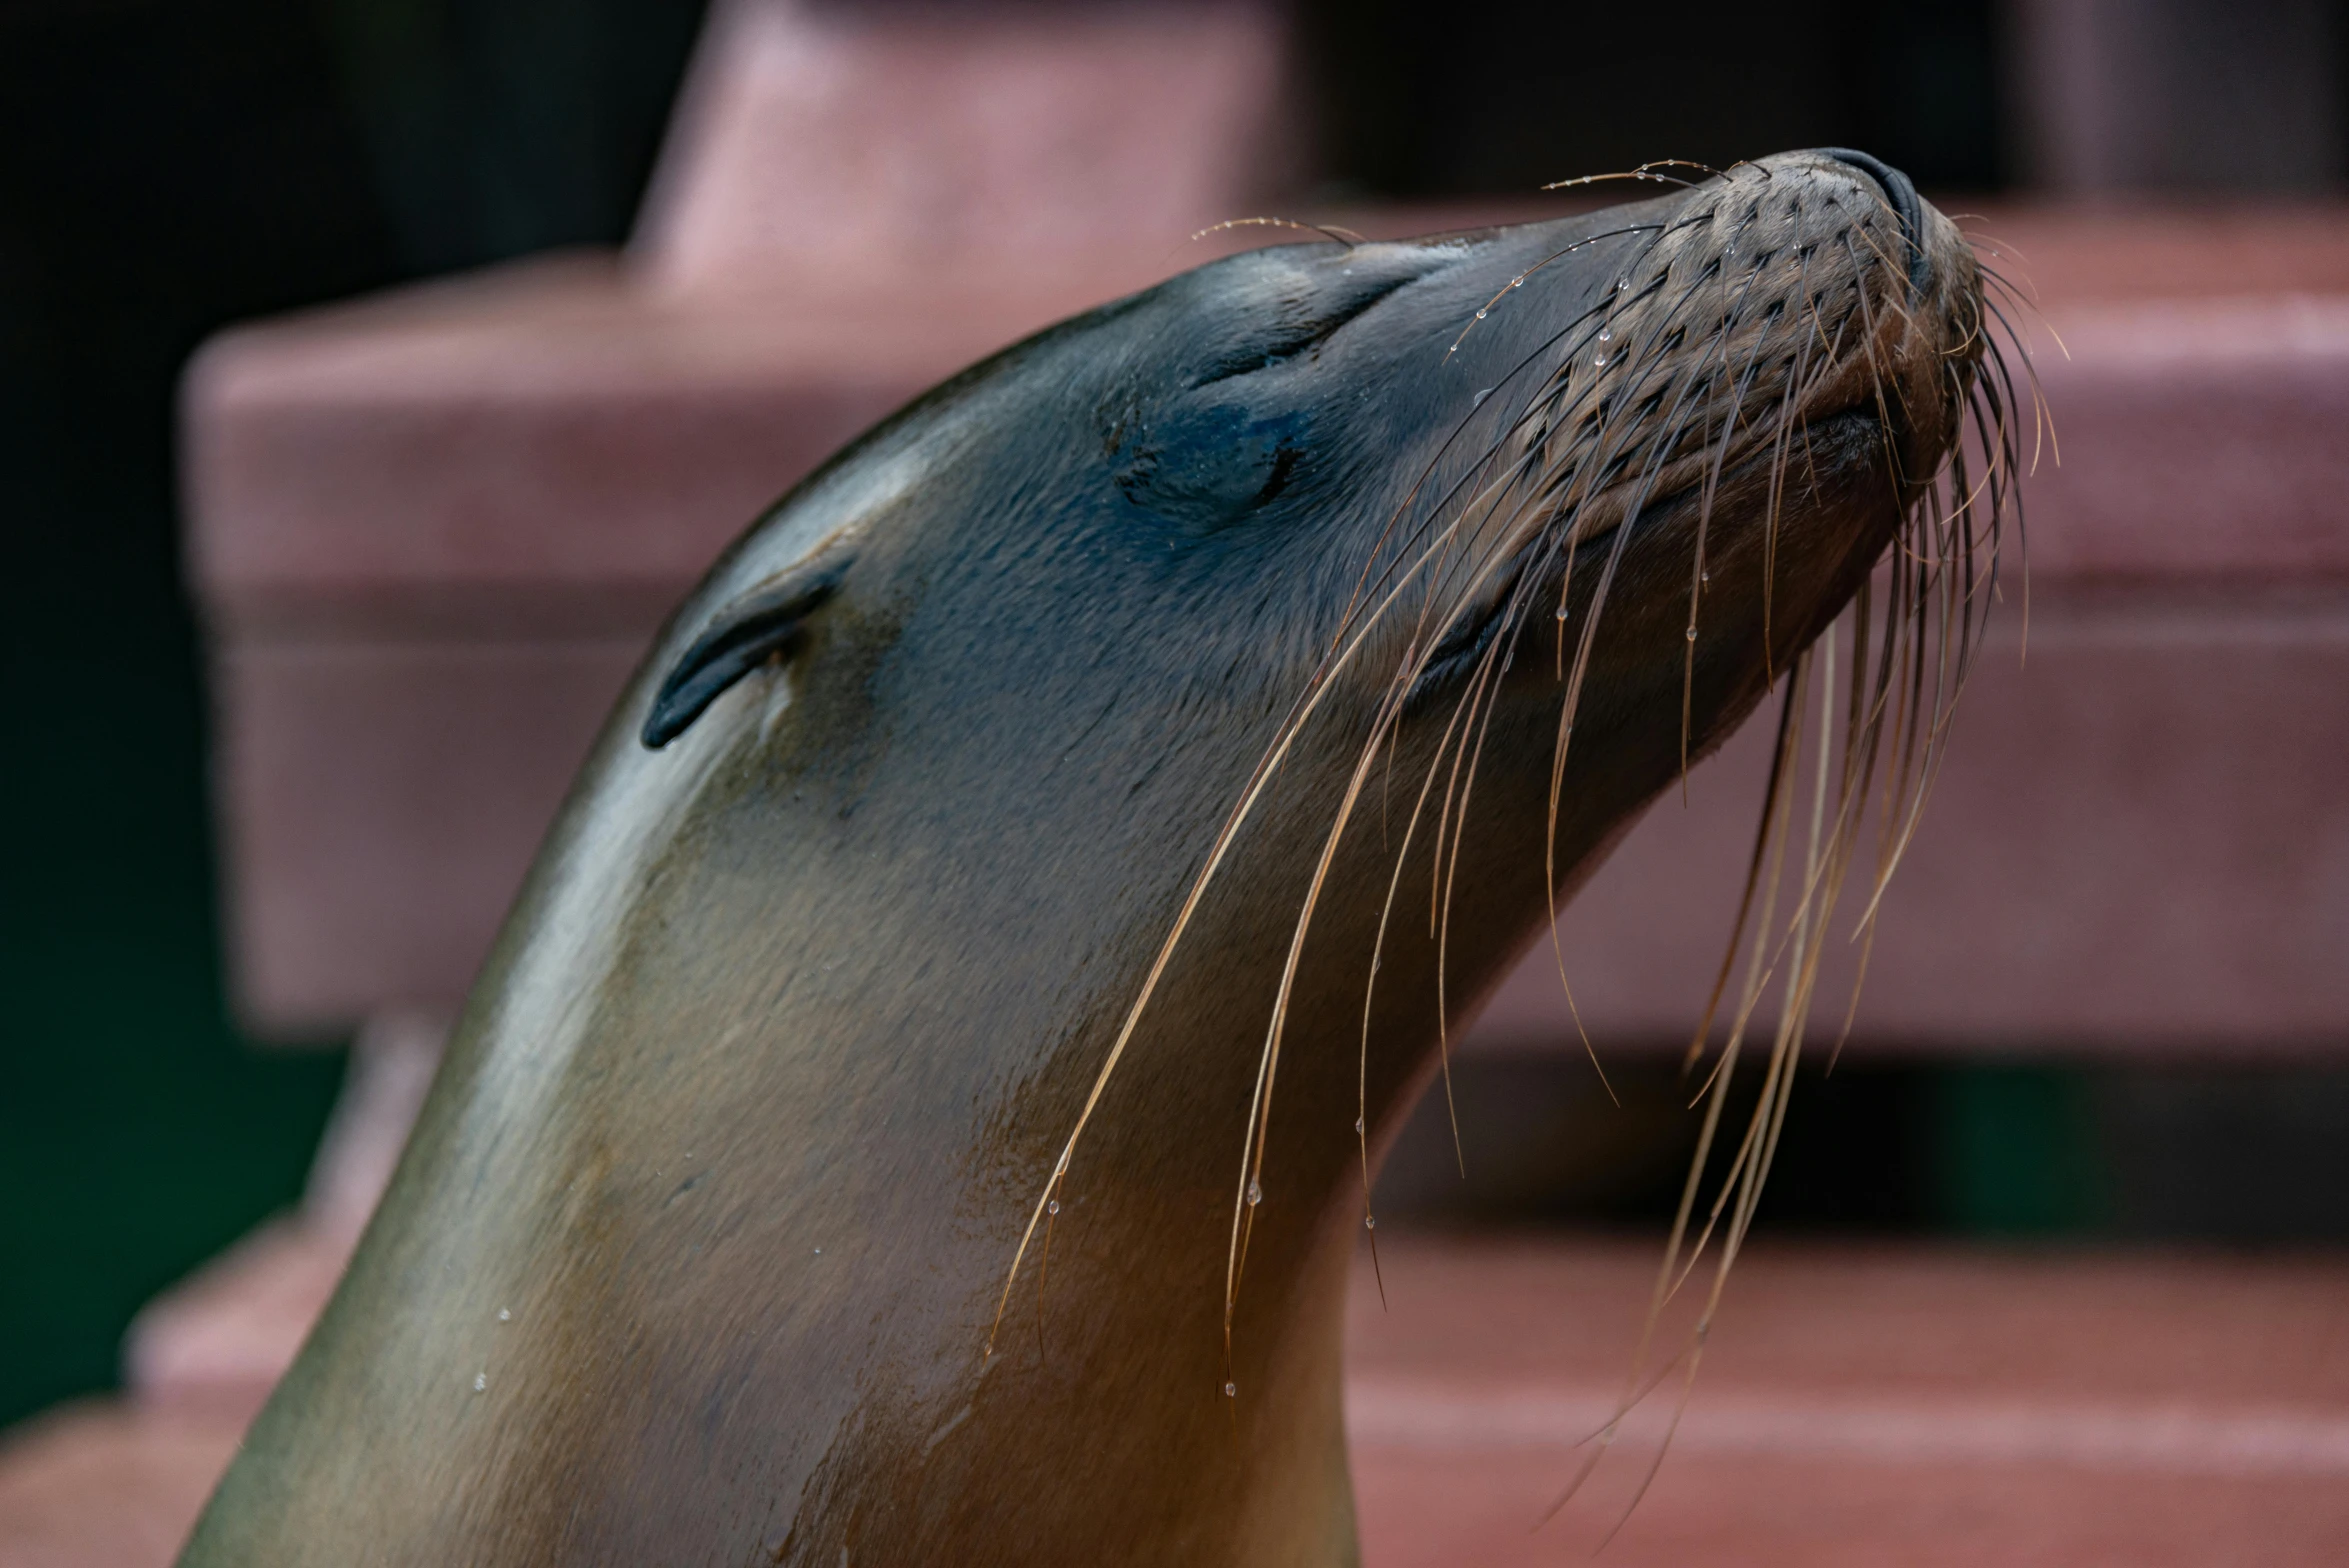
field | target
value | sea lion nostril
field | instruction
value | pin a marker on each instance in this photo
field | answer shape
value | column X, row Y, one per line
column 1901, row 195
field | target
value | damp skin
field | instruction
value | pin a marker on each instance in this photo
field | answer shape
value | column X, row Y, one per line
column 1090, row 802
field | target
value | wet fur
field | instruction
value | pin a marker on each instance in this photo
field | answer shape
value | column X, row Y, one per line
column 867, row 1115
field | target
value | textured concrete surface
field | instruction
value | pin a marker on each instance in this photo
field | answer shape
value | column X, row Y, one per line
column 1855, row 1405
column 107, row 1486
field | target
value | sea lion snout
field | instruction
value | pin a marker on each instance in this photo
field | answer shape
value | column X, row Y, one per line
column 1750, row 380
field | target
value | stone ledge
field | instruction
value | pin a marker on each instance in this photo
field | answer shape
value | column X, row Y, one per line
column 557, row 423
column 1857, row 1405
column 431, row 533
column 102, row 1485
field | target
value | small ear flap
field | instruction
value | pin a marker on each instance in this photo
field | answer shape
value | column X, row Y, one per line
column 743, row 636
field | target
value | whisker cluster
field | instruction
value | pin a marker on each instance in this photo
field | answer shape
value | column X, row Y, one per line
column 1723, row 332
column 1868, row 706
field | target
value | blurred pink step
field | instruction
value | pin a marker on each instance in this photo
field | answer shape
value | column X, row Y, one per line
column 107, row 1486
column 433, row 532
column 1855, row 1405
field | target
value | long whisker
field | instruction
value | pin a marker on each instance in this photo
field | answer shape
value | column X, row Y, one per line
column 1903, row 688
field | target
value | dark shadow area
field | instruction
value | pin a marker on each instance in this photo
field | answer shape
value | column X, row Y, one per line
column 2246, row 1156
column 1419, row 100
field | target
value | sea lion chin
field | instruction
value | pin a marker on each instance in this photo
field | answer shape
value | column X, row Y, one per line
column 861, row 1144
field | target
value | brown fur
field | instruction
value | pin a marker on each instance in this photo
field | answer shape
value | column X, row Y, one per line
column 1082, row 682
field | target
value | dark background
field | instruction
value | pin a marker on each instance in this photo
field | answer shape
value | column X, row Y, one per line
column 1506, row 95
column 166, row 168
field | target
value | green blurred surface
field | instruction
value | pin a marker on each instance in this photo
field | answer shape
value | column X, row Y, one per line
column 2015, row 1150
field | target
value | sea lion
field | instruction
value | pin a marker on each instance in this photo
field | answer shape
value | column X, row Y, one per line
column 1210, row 694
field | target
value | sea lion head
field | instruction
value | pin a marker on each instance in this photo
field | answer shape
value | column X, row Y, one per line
column 1486, row 537
column 1209, row 694
column 1553, row 503
column 1366, row 476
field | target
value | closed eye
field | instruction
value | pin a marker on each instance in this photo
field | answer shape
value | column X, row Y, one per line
column 1291, row 338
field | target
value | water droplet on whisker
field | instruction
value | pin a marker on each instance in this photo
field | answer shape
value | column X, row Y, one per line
column 1518, row 281
column 505, row 1314
column 1052, row 1205
column 1606, row 334
column 1561, row 612
column 1692, row 634
column 1231, row 1390
column 1370, row 1222
column 1358, row 1128
column 1704, row 577
column 1255, row 1194
column 480, row 1381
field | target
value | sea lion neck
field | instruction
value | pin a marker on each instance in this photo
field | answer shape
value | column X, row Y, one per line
column 778, row 1064
column 922, row 1104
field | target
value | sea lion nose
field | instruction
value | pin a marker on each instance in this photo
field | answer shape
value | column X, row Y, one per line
column 1902, row 198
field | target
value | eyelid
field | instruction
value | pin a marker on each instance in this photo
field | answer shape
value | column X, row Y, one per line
column 1293, row 338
